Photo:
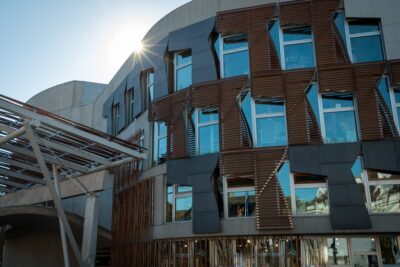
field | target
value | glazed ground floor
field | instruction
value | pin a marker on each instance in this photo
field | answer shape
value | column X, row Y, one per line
column 279, row 251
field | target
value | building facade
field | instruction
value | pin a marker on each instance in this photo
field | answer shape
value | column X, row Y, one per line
column 272, row 132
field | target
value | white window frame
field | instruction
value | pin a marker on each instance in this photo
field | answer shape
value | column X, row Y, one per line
column 157, row 137
column 359, row 35
column 150, row 86
column 198, row 125
column 322, row 112
column 175, row 196
column 296, row 42
column 294, row 186
column 230, row 51
column 115, row 118
column 233, row 190
column 178, row 67
column 254, row 118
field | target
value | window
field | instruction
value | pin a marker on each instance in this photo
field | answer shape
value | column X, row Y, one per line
column 115, row 119
column 384, row 189
column 160, row 142
column 129, row 105
column 284, row 181
column 150, row 85
column 240, row 197
column 338, row 118
column 391, row 96
column 364, row 251
column 207, row 130
column 178, row 203
column 235, row 56
column 294, row 46
column 362, row 38
column 311, row 195
column 183, row 70
column 270, row 123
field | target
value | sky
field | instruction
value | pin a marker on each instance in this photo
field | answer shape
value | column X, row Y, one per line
column 47, row 42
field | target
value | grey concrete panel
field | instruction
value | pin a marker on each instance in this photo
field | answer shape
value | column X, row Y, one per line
column 304, row 160
column 203, row 222
column 380, row 155
column 107, row 112
column 204, row 202
column 119, row 99
column 137, row 108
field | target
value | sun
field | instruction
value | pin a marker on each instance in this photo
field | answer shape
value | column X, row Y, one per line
column 137, row 46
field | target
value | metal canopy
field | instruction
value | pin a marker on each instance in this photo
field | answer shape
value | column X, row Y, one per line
column 74, row 148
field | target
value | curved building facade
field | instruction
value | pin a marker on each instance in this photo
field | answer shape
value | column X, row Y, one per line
column 272, row 132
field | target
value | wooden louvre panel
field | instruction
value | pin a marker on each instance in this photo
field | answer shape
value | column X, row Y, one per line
column 230, row 124
column 366, row 76
column 159, row 109
column 298, row 13
column 232, row 22
column 270, row 84
column 272, row 211
column 336, row 79
column 296, row 83
column 206, row 94
column 386, row 116
column 395, row 71
column 258, row 38
column 312, row 124
column 324, row 30
column 238, row 163
column 176, row 125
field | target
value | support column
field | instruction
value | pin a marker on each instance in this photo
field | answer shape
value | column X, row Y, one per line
column 89, row 240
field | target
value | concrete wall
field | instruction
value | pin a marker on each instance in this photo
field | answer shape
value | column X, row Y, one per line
column 34, row 250
column 388, row 11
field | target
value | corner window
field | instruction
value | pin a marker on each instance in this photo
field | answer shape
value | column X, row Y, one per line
column 183, row 70
column 115, row 119
column 270, row 123
column 338, row 118
column 298, row 48
column 206, row 130
column 235, row 56
column 311, row 195
column 178, row 203
column 240, row 199
column 159, row 142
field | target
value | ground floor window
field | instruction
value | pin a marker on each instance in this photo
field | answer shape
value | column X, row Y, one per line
column 178, row 203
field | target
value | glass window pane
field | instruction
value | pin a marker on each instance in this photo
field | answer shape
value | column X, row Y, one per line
column 241, row 204
column 338, row 253
column 274, row 34
column 162, row 129
column 383, row 88
column 207, row 116
column 236, row 64
column 340, row 127
column 150, row 78
column 235, row 42
column 312, row 96
column 183, row 189
column 284, row 181
column 385, row 198
column 183, row 209
column 356, row 169
column 367, row 49
column 299, row 56
column 312, row 201
column 363, row 27
column 390, row 250
column 380, row 176
column 297, row 34
column 184, row 77
column 366, row 260
column 170, row 200
column 339, row 22
column 183, row 58
column 267, row 107
column 314, row 252
column 337, row 101
column 397, row 96
column 208, row 139
column 162, row 148
column 363, row 244
column 271, row 132
column 246, row 109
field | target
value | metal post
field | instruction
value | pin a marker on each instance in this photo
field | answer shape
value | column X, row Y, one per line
column 62, row 230
column 89, row 240
column 56, row 199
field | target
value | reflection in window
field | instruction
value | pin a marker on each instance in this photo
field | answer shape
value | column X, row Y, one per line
column 298, row 48
column 284, row 181
column 339, row 118
column 338, row 253
column 183, row 70
column 311, row 195
column 385, row 198
column 241, row 197
column 270, row 123
column 235, row 56
column 314, row 252
column 365, row 40
column 159, row 142
column 277, row 252
column 207, row 130
column 178, row 203
column 390, row 250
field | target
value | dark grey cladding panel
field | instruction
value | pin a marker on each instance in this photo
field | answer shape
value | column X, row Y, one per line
column 304, row 160
column 198, row 172
column 119, row 99
column 107, row 112
column 335, row 162
column 381, row 155
column 196, row 38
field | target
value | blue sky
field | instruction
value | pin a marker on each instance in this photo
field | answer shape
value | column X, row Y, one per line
column 48, row 42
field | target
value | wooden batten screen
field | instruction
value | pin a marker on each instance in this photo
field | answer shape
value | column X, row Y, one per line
column 132, row 218
column 298, row 13
column 395, row 72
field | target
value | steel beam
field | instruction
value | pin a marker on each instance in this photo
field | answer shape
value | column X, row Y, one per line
column 11, row 135
column 56, row 199
column 21, row 176
column 19, row 164
column 12, row 183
